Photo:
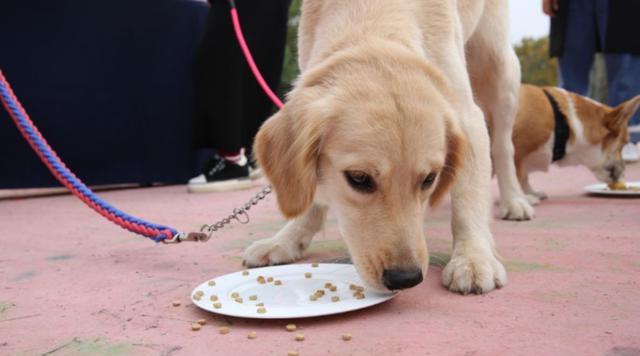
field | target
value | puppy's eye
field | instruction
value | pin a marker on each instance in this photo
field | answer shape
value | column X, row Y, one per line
column 360, row 181
column 428, row 181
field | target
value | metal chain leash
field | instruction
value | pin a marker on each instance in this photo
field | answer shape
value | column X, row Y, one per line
column 239, row 214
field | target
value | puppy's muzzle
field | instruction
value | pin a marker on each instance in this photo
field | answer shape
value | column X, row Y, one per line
column 615, row 171
column 395, row 279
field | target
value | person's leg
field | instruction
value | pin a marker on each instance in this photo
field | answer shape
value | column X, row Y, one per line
column 623, row 71
column 218, row 105
column 579, row 46
column 265, row 26
column 218, row 87
column 623, row 80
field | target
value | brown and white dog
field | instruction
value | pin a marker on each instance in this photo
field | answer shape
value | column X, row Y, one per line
column 557, row 126
column 382, row 122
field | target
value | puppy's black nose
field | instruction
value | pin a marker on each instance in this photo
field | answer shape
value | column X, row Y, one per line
column 401, row 279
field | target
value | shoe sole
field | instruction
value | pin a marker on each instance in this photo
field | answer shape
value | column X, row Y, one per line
column 255, row 174
column 225, row 186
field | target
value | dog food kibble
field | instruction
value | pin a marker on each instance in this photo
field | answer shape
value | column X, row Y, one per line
column 328, row 285
column 315, row 264
column 333, row 288
column 217, row 305
column 212, row 283
column 617, row 185
column 335, row 298
column 238, row 300
column 359, row 295
column 224, row 330
column 252, row 335
column 196, row 326
column 269, row 279
column 253, row 297
column 260, row 305
column 235, row 295
column 299, row 337
column 260, row 280
column 352, row 286
column 213, row 298
column 293, row 353
column 176, row 303
column 319, row 293
column 245, row 273
column 313, row 298
column 261, row 310
column 277, row 282
column 201, row 321
column 199, row 293
column 307, row 275
column 291, row 327
column 196, row 297
column 346, row 337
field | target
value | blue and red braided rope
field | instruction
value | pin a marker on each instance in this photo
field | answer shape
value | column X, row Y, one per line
column 60, row 171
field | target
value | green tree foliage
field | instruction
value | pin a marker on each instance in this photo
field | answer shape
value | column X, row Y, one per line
column 290, row 71
column 537, row 67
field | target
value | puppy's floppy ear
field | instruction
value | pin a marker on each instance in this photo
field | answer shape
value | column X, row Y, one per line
column 456, row 151
column 620, row 115
column 287, row 148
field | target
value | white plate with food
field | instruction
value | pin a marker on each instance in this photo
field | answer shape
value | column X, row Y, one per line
column 287, row 291
column 619, row 188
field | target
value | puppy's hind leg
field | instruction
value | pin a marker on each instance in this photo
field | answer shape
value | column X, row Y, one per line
column 495, row 74
column 534, row 197
column 289, row 243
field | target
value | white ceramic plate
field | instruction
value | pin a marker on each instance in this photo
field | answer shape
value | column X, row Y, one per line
column 291, row 298
column 602, row 189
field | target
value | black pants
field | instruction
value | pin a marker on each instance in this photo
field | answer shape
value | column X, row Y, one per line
column 230, row 106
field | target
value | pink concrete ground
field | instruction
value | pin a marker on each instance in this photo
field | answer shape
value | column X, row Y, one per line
column 73, row 284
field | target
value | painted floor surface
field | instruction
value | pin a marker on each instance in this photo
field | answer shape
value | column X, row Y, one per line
column 73, row 284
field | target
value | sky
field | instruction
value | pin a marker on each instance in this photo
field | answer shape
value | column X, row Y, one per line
column 527, row 20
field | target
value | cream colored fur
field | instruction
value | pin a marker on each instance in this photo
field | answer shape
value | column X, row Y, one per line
column 387, row 91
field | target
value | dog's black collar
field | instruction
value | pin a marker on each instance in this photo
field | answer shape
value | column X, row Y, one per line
column 561, row 131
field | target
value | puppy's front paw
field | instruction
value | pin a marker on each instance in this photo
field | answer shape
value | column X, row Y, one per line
column 474, row 273
column 516, row 209
column 271, row 251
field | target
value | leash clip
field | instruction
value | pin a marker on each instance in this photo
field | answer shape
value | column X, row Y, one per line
column 192, row 236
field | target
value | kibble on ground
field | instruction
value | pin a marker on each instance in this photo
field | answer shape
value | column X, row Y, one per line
column 224, row 330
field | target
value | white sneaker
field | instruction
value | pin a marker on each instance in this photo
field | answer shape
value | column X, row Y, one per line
column 221, row 175
column 255, row 172
column 630, row 153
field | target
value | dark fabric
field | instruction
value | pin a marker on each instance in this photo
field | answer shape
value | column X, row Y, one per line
column 107, row 82
column 622, row 28
column 558, row 28
column 230, row 106
column 561, row 130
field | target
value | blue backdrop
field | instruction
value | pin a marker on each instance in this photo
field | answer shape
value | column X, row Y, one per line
column 108, row 83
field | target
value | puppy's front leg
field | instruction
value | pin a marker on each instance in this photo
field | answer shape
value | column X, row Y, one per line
column 473, row 266
column 289, row 243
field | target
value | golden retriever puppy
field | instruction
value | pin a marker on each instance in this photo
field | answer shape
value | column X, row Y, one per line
column 382, row 123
